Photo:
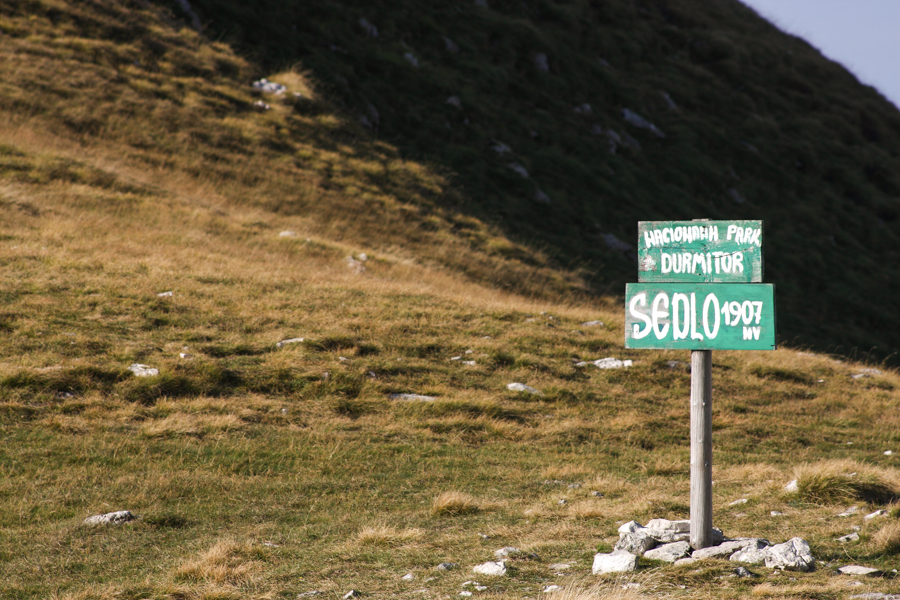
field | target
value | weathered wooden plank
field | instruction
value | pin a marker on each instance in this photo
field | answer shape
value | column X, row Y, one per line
column 700, row 251
column 705, row 316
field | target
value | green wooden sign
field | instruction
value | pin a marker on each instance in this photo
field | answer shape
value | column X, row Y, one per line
column 700, row 251
column 706, row 316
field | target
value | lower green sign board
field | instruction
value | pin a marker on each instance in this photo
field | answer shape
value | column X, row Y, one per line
column 705, row 316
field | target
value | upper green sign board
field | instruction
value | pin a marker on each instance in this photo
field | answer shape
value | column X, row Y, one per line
column 700, row 251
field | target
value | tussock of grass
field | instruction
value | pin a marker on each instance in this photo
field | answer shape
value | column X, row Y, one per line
column 385, row 535
column 842, row 481
column 227, row 562
column 454, row 504
column 887, row 539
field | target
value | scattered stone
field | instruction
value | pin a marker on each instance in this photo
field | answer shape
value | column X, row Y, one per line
column 583, row 109
column 888, row 452
column 284, row 343
column 454, row 101
column 849, row 512
column 491, row 568
column 875, row 596
column 518, row 168
column 412, row 397
column 552, row 588
column 751, row 555
column 560, row 567
column 408, row 577
column 269, row 87
column 640, row 122
column 669, row 102
column 574, row 486
column 736, row 196
column 614, row 243
column 356, row 265
column 165, row 294
column 877, row 513
column 612, row 363
column 480, row 588
column 775, row 513
column 521, row 387
column 113, row 518
column 636, row 542
column 288, row 234
column 792, row 486
column 727, row 548
column 669, row 552
column 850, row 537
column 540, row 61
column 685, row 561
column 541, row 196
column 506, row 551
column 500, row 148
column 450, row 46
column 666, row 531
column 858, row 570
column 743, row 572
column 619, row 561
column 446, row 566
column 737, row 502
column 352, row 594
column 592, row 324
column 484, row 537
column 465, row 593
column 597, row 494
column 792, row 555
column 185, row 355
column 310, row 594
column 370, row 29
column 469, row 363
column 409, row 56
column 140, row 370
column 260, row 105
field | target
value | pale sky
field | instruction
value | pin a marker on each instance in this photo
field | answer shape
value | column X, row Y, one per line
column 862, row 35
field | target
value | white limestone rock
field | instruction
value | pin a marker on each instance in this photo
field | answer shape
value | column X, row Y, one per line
column 506, row 551
column 371, row 30
column 541, row 62
column 877, row 513
column 750, row 555
column 669, row 552
column 592, row 324
column 411, row 58
column 792, row 555
column 286, row 234
column 541, row 196
column 140, row 370
column 454, row 101
column 849, row 512
column 550, row 589
column 518, row 168
column 521, row 387
column 666, row 531
column 491, row 568
column 288, row 342
column 114, row 518
column 728, row 548
column 858, row 570
column 641, row 123
column 269, row 87
column 636, row 542
column 614, row 562
column 412, row 397
column 612, row 363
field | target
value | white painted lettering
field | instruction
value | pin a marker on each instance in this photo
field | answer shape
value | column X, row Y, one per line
column 666, row 262
column 726, row 263
column 632, row 308
column 738, row 265
column 714, row 233
column 695, row 335
column 747, row 312
column 698, row 260
column 656, row 314
column 676, row 235
column 711, row 333
column 739, row 236
column 648, row 239
column 731, row 229
column 704, row 233
column 680, row 299
column 667, row 235
column 758, row 305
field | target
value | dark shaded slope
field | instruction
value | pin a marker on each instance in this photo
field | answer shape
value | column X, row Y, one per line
column 760, row 126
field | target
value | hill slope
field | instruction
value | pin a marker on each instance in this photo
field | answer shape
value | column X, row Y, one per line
column 143, row 197
column 756, row 124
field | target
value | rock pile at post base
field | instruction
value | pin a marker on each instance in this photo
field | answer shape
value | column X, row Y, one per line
column 667, row 540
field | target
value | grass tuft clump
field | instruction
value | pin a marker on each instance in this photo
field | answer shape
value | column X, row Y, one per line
column 842, row 481
column 887, row 539
column 226, row 562
column 453, row 504
column 385, row 535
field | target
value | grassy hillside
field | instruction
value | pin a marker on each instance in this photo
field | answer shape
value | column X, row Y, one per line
column 143, row 197
column 757, row 125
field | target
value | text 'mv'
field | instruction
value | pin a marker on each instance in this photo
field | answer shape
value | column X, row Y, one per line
column 700, row 251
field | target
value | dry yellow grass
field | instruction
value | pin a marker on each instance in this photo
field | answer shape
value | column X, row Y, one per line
column 386, row 535
column 887, row 539
column 454, row 503
column 226, row 562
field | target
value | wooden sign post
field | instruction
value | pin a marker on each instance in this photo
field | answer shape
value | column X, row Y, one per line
column 700, row 289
